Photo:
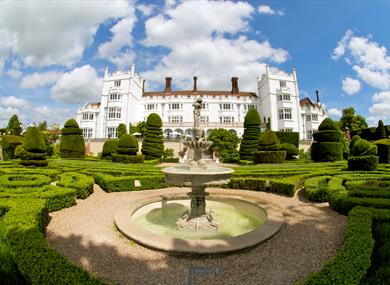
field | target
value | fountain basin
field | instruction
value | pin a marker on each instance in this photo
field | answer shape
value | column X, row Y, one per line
column 260, row 222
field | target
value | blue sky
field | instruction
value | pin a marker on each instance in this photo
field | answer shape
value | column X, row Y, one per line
column 53, row 53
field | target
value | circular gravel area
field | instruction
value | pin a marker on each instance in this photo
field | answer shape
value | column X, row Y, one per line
column 86, row 234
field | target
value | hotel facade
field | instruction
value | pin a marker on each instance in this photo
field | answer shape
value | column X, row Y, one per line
column 123, row 100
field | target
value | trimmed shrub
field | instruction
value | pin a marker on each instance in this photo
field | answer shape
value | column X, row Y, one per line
column 383, row 150
column 268, row 141
column 353, row 141
column 128, row 145
column 326, row 151
column 363, row 147
column 9, row 144
column 291, row 150
column 124, row 158
column 110, row 183
column 380, row 132
column 368, row 134
column 250, row 138
column 72, row 143
column 82, row 183
column 153, row 142
column 328, row 136
column 288, row 137
column 121, row 130
column 170, row 159
column 14, row 126
column 34, row 146
column 366, row 162
column 109, row 147
column 23, row 180
column 327, row 125
column 225, row 143
column 269, row 156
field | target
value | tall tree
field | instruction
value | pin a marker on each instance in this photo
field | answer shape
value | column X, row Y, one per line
column 42, row 126
column 351, row 120
column 14, row 126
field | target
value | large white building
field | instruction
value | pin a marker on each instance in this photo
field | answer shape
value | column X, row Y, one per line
column 123, row 100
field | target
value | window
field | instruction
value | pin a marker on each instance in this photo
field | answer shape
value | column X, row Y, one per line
column 308, row 118
column 226, row 120
column 115, row 97
column 112, row 132
column 309, row 134
column 314, row 118
column 175, row 119
column 175, row 106
column 205, row 106
column 114, row 113
column 282, row 84
column 117, row 83
column 87, row 133
column 285, row 114
column 149, row 107
column 87, row 116
column 286, row 130
column 204, row 119
column 225, row 106
column 251, row 106
column 284, row 97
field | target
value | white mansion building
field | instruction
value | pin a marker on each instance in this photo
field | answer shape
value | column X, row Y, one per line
column 123, row 100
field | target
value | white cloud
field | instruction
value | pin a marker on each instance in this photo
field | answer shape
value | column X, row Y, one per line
column 46, row 33
column 78, row 86
column 14, row 73
column 37, row 80
column 339, row 51
column 267, row 10
column 351, row 86
column 52, row 115
column 380, row 110
column 334, row 113
column 146, row 10
column 201, row 49
column 14, row 102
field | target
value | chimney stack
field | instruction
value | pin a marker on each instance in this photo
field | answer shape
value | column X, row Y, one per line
column 235, row 89
column 143, row 85
column 195, row 88
column 168, row 81
column 318, row 96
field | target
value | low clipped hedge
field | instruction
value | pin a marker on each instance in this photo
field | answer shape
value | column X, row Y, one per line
column 317, row 189
column 23, row 180
column 350, row 265
column 366, row 162
column 383, row 150
column 263, row 185
column 36, row 259
column 123, row 158
column 81, row 182
column 326, row 151
column 269, row 156
column 126, row 183
column 170, row 160
column 288, row 137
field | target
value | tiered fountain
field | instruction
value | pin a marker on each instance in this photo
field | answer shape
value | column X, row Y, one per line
column 185, row 223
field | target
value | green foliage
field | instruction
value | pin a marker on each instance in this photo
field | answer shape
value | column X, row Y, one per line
column 125, row 158
column 170, row 159
column 82, row 183
column 328, row 136
column 326, row 151
column 23, row 180
column 168, row 153
column 34, row 141
column 288, row 137
column 226, row 143
column 364, row 162
column 380, row 132
column 351, row 121
column 251, row 135
column 304, row 155
column 72, row 143
column 42, row 126
column 9, row 144
column 328, row 125
column 363, row 147
column 318, row 188
column 353, row 141
column 291, row 150
column 368, row 134
column 14, row 126
column 269, row 156
column 121, row 130
column 110, row 183
column 383, row 146
column 109, row 147
column 153, row 143
column 127, row 145
column 138, row 128
column 269, row 141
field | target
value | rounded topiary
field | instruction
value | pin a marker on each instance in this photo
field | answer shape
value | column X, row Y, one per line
column 153, row 142
column 363, row 147
column 291, row 150
column 327, row 125
column 269, row 141
column 128, row 145
column 72, row 143
column 326, row 151
column 109, row 147
column 250, row 138
column 354, row 139
column 328, row 136
column 34, row 149
column 269, row 149
column 363, row 156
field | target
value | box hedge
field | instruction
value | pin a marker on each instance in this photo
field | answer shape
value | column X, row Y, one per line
column 383, row 150
column 291, row 150
column 9, row 144
column 326, row 151
column 288, row 137
column 269, row 156
column 109, row 147
column 72, row 143
column 124, row 158
column 366, row 162
column 34, row 146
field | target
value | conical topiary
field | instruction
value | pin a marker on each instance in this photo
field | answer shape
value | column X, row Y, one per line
column 380, row 132
column 153, row 143
column 250, row 138
column 72, row 143
column 34, row 149
column 269, row 149
column 269, row 141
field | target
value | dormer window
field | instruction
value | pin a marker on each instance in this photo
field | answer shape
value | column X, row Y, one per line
column 117, row 83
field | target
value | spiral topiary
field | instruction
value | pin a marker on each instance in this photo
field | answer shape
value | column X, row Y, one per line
column 153, row 143
column 72, row 143
column 363, row 156
column 269, row 149
column 34, row 149
column 250, row 138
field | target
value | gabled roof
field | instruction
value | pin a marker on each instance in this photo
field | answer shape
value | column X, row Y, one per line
column 307, row 102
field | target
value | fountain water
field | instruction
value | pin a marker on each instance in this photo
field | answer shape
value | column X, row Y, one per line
column 186, row 224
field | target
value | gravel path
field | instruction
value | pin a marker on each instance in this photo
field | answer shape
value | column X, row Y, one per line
column 86, row 234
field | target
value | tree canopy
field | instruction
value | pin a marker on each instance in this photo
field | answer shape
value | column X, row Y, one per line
column 14, row 126
column 351, row 120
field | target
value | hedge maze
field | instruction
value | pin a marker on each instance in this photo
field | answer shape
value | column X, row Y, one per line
column 28, row 194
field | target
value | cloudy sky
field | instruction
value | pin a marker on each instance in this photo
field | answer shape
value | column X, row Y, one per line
column 53, row 53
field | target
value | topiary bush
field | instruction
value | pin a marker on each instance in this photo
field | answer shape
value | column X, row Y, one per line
column 353, row 141
column 128, row 145
column 328, row 145
column 250, row 138
column 9, row 144
column 383, row 150
column 109, row 147
column 291, row 150
column 380, row 132
column 72, row 143
column 153, row 142
column 288, row 137
column 269, row 149
column 34, row 149
column 363, row 156
column 122, row 130
column 363, row 147
column 225, row 143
